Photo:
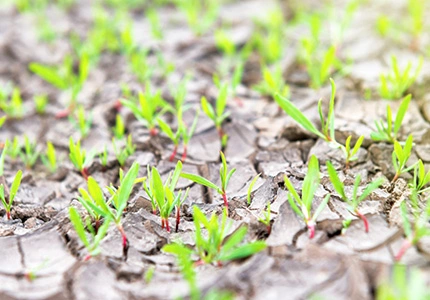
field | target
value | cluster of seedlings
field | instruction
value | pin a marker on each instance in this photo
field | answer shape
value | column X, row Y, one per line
column 213, row 243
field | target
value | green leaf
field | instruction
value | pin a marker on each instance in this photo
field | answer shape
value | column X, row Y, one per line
column 251, row 186
column 401, row 113
column 157, row 187
column 335, row 180
column 176, row 175
column 310, row 183
column 244, row 251
column 101, row 233
column 297, row 115
column 78, row 225
column 49, row 74
column 201, row 180
column 321, row 207
column 236, row 238
column 15, row 186
column 126, row 188
column 208, row 109
column 370, row 188
column 167, row 130
column 222, row 100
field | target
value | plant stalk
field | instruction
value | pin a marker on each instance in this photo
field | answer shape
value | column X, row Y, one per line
column 224, row 197
column 153, row 131
column 311, row 229
column 167, row 225
column 178, row 219
column 172, row 156
column 8, row 215
column 364, row 219
column 125, row 244
column 405, row 246
column 85, row 173
column 184, row 154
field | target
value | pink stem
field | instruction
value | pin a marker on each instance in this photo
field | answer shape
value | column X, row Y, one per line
column 239, row 101
column 364, row 219
column 162, row 223
column 63, row 113
column 153, row 131
column 406, row 245
column 178, row 218
column 8, row 215
column 184, row 154
column 118, row 105
column 311, row 229
column 269, row 229
column 85, row 173
column 167, row 225
column 87, row 258
column 224, row 197
column 124, row 240
column 175, row 150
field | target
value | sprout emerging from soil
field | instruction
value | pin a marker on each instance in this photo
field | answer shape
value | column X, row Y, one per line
column 7, row 196
column 302, row 205
column 80, row 158
column 400, row 157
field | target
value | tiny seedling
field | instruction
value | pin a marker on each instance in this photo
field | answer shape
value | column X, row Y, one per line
column 82, row 121
column 354, row 200
column 119, row 129
column 14, row 148
column 327, row 124
column 14, row 107
column 91, row 244
column 400, row 157
column 218, row 114
column 31, row 274
column 49, row 159
column 79, row 157
column 421, row 178
column 187, row 132
column 416, row 229
column 387, row 132
column 103, row 157
column 123, row 153
column 40, row 102
column 273, row 83
column 7, row 196
column 149, row 274
column 266, row 219
column 416, row 9
column 2, row 120
column 395, row 84
column 154, row 21
column 225, row 177
column 302, row 206
column 251, row 186
column 175, row 137
column 350, row 154
column 30, row 154
column 200, row 14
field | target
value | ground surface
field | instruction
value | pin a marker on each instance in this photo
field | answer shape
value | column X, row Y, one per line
column 262, row 140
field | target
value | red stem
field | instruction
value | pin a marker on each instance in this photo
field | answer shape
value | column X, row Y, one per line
column 162, row 223
column 154, row 211
column 87, row 258
column 395, row 178
column 269, row 229
column 311, row 229
column 153, row 131
column 406, row 245
column 178, row 219
column 364, row 219
column 85, row 173
column 124, row 240
column 224, row 197
column 118, row 105
column 184, row 154
column 8, row 215
column 167, row 225
column 63, row 113
column 97, row 226
column 239, row 101
column 175, row 150
column 200, row 262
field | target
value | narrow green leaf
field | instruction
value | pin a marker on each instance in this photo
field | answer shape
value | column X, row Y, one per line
column 78, row 225
column 15, row 186
column 335, row 180
column 201, row 180
column 244, row 251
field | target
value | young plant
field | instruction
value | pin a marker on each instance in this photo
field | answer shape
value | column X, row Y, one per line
column 14, row 148
column 353, row 200
column 119, row 129
column 416, row 10
column 154, row 21
column 421, row 178
column 92, row 243
column 79, row 157
column 14, row 107
column 81, row 121
column 266, row 219
column 218, row 114
column 302, row 206
column 225, row 177
column 123, row 153
column 350, row 154
column 387, row 132
column 40, row 101
column 146, row 110
column 7, row 196
column 30, row 154
column 327, row 124
column 400, row 157
column 273, row 83
column 200, row 14
column 103, row 156
column 395, row 84
column 49, row 159
column 418, row 228
column 251, row 186
column 119, row 199
column 175, row 137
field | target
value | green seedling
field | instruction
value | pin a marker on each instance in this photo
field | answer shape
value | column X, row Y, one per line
column 31, row 274
column 154, row 21
column 273, row 83
column 162, row 196
column 45, row 29
column 80, row 158
column 91, row 244
column 217, row 114
column 2, row 121
column 225, row 177
column 200, row 14
column 416, row 9
column 14, row 107
column 400, row 157
column 327, row 124
column 353, row 200
column 404, row 283
column 119, row 129
column 96, row 201
column 266, row 219
column 81, row 121
column 215, row 247
column 351, row 154
column 103, row 156
column 421, row 178
column 251, row 186
column 387, row 132
column 302, row 206
column 49, row 159
column 149, row 274
column 7, row 196
column 383, row 25
column 63, row 77
column 30, row 154
column 146, row 110
column 187, row 133
column 40, row 102
column 175, row 137
column 14, row 148
column 2, row 159
column 395, row 84
column 416, row 229
column 123, row 153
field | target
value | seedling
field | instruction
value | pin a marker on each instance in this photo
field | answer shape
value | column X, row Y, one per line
column 350, row 154
column 123, row 153
column 146, row 110
column 79, row 157
column 31, row 274
column 218, row 114
column 175, row 137
column 2, row 120
column 14, row 148
column 400, row 157
column 272, row 83
column 421, row 178
column 266, row 219
column 81, row 121
column 353, row 200
column 154, row 21
column 395, row 84
column 162, row 195
column 103, row 156
column 149, row 274
column 92, row 243
column 40, row 101
column 416, row 229
column 327, row 124
column 387, row 132
column 302, row 206
column 119, row 198
column 119, row 129
column 200, row 14
column 225, row 177
column 7, row 196
column 63, row 77
column 187, row 133
column 49, row 159
column 30, row 154
column 14, row 107
column 416, row 10
column 251, row 186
